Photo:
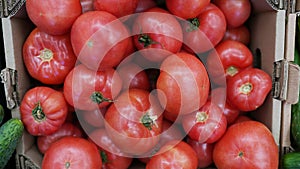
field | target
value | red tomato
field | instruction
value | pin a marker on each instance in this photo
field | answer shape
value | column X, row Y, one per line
column 241, row 34
column 208, row 124
column 95, row 117
column 99, row 39
column 174, row 155
column 158, row 30
column 72, row 152
column 206, row 30
column 246, row 145
column 116, row 7
column 183, row 84
column 43, row 110
column 48, row 58
column 86, row 89
column 236, row 11
column 248, row 89
column 67, row 129
column 112, row 157
column 135, row 119
column 53, row 17
column 144, row 5
column 241, row 118
column 204, row 152
column 234, row 56
column 133, row 76
column 186, row 9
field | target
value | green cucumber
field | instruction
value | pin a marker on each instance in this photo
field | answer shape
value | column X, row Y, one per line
column 291, row 160
column 10, row 135
column 1, row 113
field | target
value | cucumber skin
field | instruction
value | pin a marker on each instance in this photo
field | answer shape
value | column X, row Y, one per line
column 291, row 160
column 10, row 135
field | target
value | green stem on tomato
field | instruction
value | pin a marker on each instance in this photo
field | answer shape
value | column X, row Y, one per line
column 194, row 24
column 98, row 98
column 38, row 113
column 148, row 121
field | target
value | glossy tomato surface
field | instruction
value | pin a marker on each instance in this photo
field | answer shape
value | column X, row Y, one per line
column 43, row 110
column 116, row 7
column 48, row 58
column 241, row 34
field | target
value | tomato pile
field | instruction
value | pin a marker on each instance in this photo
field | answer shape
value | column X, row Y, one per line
column 165, row 83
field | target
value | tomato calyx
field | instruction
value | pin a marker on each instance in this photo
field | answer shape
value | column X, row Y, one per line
column 98, row 98
column 146, row 40
column 241, row 154
column 194, row 24
column 148, row 121
column 104, row 157
column 246, row 88
column 67, row 165
column 201, row 117
column 46, row 55
column 231, row 71
column 38, row 113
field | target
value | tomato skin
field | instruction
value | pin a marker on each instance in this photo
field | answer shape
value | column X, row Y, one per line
column 135, row 119
column 246, row 145
column 204, row 152
column 208, row 124
column 236, row 11
column 67, row 129
column 186, row 9
column 157, row 34
column 53, row 17
column 116, row 7
column 74, row 152
column 43, row 110
column 99, row 39
column 248, row 90
column 174, row 155
column 48, row 58
column 86, row 89
column 144, row 5
column 183, row 84
column 241, row 34
column 112, row 157
column 94, row 117
column 207, row 31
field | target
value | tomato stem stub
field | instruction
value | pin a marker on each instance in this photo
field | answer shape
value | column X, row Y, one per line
column 201, row 117
column 67, row 165
column 46, row 55
column 194, row 24
column 246, row 88
column 38, row 113
column 231, row 71
column 98, row 98
column 145, row 39
column 148, row 121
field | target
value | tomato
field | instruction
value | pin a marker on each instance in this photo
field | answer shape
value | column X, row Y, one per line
column 43, row 110
column 158, row 30
column 112, row 157
column 86, row 89
column 183, row 84
column 67, row 129
column 241, row 34
column 248, row 89
column 133, row 76
column 204, row 152
column 94, row 117
column 241, row 118
column 116, row 7
column 134, row 119
column 246, row 145
column 186, row 9
column 53, row 17
column 72, row 152
column 234, row 56
column 144, row 5
column 236, row 12
column 174, row 155
column 206, row 30
column 48, row 58
column 99, row 39
column 208, row 124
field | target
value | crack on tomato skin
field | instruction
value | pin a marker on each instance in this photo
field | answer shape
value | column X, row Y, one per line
column 246, row 88
column 98, row 98
column 148, row 120
column 38, row 113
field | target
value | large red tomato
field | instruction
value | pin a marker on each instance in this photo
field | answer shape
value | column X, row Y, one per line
column 158, row 30
column 246, row 145
column 174, row 155
column 144, row 5
column 72, row 152
column 95, row 118
column 112, row 157
column 241, row 34
column 183, row 84
column 236, row 11
column 248, row 89
column 134, row 119
column 116, row 7
column 54, row 17
column 48, row 58
column 86, row 89
column 67, row 129
column 43, row 110
column 186, row 9
column 99, row 39
column 208, row 124
column 204, row 31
